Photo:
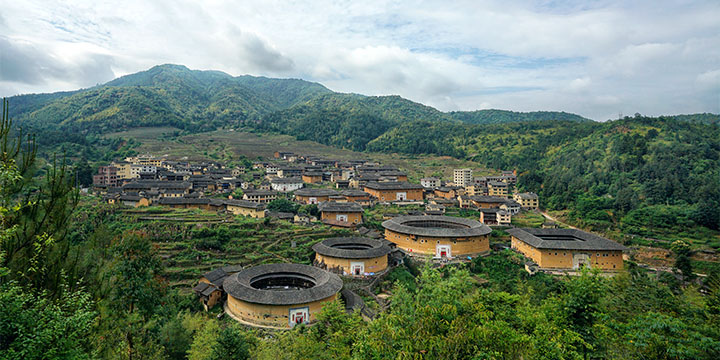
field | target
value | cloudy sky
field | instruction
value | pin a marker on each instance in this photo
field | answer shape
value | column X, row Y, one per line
column 593, row 58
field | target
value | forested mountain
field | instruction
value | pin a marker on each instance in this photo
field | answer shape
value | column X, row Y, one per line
column 204, row 100
column 493, row 116
column 165, row 95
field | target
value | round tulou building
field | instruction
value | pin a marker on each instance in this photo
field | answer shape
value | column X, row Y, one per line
column 279, row 295
column 438, row 236
column 353, row 256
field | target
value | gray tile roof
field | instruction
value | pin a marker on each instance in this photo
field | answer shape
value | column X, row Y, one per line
column 339, row 207
column 239, row 285
column 436, row 226
column 315, row 192
column 564, row 239
column 342, row 247
column 393, row 185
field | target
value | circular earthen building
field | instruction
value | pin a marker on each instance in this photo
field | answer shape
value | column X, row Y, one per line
column 354, row 256
column 279, row 295
column 438, row 236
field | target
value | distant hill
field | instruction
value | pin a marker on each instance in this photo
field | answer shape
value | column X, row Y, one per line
column 492, row 116
column 705, row 118
column 203, row 100
column 165, row 95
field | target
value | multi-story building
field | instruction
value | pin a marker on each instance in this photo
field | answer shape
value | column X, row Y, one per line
column 462, row 177
column 497, row 188
column 528, row 200
column 106, row 176
column 430, row 182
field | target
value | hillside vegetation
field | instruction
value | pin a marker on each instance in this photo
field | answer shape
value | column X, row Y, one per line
column 635, row 174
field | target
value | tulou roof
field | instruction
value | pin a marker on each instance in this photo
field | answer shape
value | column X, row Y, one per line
column 342, row 247
column 244, row 204
column 239, row 285
column 340, row 207
column 315, row 192
column 393, row 185
column 287, row 180
column 564, row 239
column 436, row 226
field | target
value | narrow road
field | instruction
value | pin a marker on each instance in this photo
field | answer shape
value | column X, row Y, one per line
column 556, row 220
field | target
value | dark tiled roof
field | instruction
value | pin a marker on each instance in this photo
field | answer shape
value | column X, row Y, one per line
column 244, row 203
column 315, row 192
column 326, row 285
column 338, row 248
column 160, row 184
column 340, row 207
column 393, row 185
column 260, row 192
column 461, row 227
column 216, row 276
column 183, row 201
column 354, row 193
column 564, row 239
column 528, row 196
column 287, row 180
column 488, row 199
column 497, row 184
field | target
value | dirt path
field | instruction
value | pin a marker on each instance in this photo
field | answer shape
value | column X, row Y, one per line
column 547, row 216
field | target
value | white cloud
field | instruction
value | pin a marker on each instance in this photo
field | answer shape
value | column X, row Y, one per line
column 595, row 59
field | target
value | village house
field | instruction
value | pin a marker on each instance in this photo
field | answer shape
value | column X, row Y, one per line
column 313, row 196
column 395, row 191
column 495, row 216
column 487, row 202
column 286, row 184
column 312, row 177
column 260, row 196
column 357, row 196
column 340, row 214
column 449, row 192
column 430, row 182
column 568, row 249
column 511, row 206
column 527, row 200
column 289, row 171
column 497, row 188
column 245, row 208
column 473, row 190
column 210, row 288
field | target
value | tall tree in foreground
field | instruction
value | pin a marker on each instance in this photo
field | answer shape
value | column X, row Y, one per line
column 40, row 316
column 34, row 213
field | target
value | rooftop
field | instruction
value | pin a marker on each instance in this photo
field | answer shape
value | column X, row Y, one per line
column 315, row 192
column 340, row 207
column 351, row 248
column 564, row 239
column 393, row 185
column 437, row 226
column 287, row 180
column 282, row 284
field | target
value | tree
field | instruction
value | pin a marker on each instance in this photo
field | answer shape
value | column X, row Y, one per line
column 37, row 327
column 33, row 214
column 581, row 305
column 283, row 205
column 83, row 172
column 232, row 343
column 682, row 259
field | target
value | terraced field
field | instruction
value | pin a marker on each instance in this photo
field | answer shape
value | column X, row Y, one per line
column 249, row 241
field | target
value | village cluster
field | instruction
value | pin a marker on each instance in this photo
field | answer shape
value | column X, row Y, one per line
column 283, row 295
